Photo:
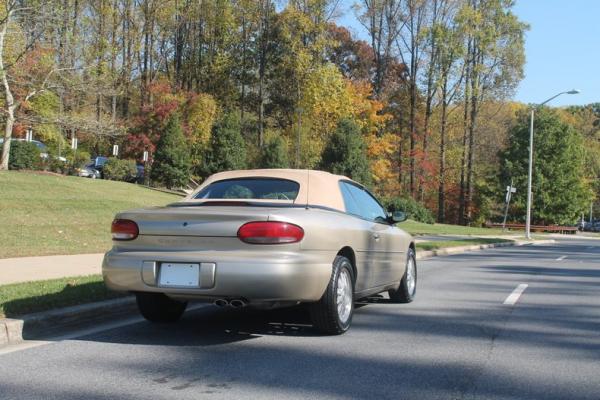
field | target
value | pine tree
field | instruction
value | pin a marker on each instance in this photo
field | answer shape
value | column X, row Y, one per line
column 346, row 154
column 274, row 154
column 171, row 164
column 227, row 146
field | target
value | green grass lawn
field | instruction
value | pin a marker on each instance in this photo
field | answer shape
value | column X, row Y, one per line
column 456, row 243
column 43, row 214
column 51, row 214
column 30, row 297
column 419, row 228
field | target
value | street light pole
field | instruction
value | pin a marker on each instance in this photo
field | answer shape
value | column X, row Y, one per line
column 529, row 178
column 530, row 169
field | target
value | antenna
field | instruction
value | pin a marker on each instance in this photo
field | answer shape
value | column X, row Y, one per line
column 307, row 185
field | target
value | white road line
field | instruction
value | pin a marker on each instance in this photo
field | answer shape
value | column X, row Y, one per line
column 561, row 258
column 514, row 296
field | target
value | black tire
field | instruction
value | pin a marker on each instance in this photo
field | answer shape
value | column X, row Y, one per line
column 157, row 307
column 324, row 313
column 404, row 294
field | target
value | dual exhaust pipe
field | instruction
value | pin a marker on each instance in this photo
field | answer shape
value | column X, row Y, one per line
column 235, row 303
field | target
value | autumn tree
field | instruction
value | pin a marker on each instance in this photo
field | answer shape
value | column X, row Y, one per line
column 25, row 71
column 494, row 65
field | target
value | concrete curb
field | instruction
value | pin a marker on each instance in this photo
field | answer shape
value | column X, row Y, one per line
column 425, row 254
column 52, row 323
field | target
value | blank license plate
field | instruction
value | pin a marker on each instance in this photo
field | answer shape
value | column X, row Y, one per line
column 181, row 275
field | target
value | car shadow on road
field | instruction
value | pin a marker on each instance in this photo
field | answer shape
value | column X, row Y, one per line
column 210, row 325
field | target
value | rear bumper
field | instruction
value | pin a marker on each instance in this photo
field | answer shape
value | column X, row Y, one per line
column 272, row 276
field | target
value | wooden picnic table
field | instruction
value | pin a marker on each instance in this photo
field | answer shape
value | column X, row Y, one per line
column 537, row 228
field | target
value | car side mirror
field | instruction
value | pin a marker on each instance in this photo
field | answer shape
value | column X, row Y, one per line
column 397, row 216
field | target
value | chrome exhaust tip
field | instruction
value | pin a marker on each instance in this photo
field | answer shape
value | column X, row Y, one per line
column 221, row 303
column 237, row 303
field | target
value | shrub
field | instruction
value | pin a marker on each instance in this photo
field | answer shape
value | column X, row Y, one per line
column 171, row 164
column 119, row 170
column 53, row 164
column 411, row 207
column 76, row 159
column 23, row 155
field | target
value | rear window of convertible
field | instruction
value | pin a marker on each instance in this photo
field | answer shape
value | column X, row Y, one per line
column 251, row 188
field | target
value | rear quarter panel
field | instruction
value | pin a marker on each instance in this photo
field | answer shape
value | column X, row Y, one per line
column 330, row 231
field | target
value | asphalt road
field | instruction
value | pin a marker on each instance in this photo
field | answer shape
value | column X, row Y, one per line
column 456, row 341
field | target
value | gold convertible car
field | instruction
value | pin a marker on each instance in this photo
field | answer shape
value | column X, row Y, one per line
column 264, row 238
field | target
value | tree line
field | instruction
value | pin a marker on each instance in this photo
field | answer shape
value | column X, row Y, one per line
column 419, row 108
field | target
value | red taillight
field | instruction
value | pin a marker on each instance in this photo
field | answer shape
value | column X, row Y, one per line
column 124, row 229
column 270, row 232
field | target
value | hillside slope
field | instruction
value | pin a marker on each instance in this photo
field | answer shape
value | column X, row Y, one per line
column 51, row 214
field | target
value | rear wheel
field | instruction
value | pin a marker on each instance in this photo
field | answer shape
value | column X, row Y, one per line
column 333, row 313
column 408, row 285
column 157, row 307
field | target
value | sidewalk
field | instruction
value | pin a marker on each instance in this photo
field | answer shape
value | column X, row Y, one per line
column 445, row 238
column 23, row 269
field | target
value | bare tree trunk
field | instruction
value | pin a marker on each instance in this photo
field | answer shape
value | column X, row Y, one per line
column 471, row 150
column 264, row 27
column 400, row 163
column 144, row 80
column 100, row 57
column 8, row 128
column 113, row 60
column 430, row 94
column 413, row 134
column 442, row 170
column 9, row 106
column 463, row 165
column 428, row 112
column 243, row 75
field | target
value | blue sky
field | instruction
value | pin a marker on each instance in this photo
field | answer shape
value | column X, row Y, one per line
column 562, row 49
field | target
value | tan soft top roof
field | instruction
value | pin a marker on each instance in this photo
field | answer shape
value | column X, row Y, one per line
column 316, row 187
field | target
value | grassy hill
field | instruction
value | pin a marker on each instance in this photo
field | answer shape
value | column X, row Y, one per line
column 44, row 214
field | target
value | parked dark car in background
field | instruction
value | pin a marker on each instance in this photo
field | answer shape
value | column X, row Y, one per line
column 97, row 163
column 589, row 226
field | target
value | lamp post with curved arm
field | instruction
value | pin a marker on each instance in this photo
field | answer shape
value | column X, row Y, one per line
column 530, row 173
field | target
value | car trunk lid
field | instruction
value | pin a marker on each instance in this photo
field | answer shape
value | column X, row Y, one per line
column 195, row 221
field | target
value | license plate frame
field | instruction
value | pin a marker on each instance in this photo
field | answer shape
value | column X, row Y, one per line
column 179, row 275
